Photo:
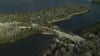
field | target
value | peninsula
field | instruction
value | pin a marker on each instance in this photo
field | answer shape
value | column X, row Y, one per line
column 17, row 26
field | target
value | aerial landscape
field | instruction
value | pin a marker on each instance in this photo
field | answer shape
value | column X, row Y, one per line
column 50, row 28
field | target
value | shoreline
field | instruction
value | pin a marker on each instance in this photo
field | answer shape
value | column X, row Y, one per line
column 69, row 16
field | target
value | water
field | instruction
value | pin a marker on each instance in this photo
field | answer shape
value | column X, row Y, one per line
column 27, row 5
column 81, row 21
column 35, row 44
column 32, row 46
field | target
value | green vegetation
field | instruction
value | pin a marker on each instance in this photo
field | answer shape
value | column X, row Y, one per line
column 44, row 16
column 93, row 29
column 4, row 39
column 10, row 23
column 92, row 34
column 57, row 13
column 90, row 47
column 96, row 1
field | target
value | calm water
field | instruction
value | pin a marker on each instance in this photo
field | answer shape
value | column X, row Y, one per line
column 27, row 5
column 32, row 46
column 81, row 21
column 35, row 44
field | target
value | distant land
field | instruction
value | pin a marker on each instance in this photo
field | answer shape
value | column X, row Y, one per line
column 96, row 1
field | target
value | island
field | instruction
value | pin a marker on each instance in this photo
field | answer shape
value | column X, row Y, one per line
column 17, row 26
